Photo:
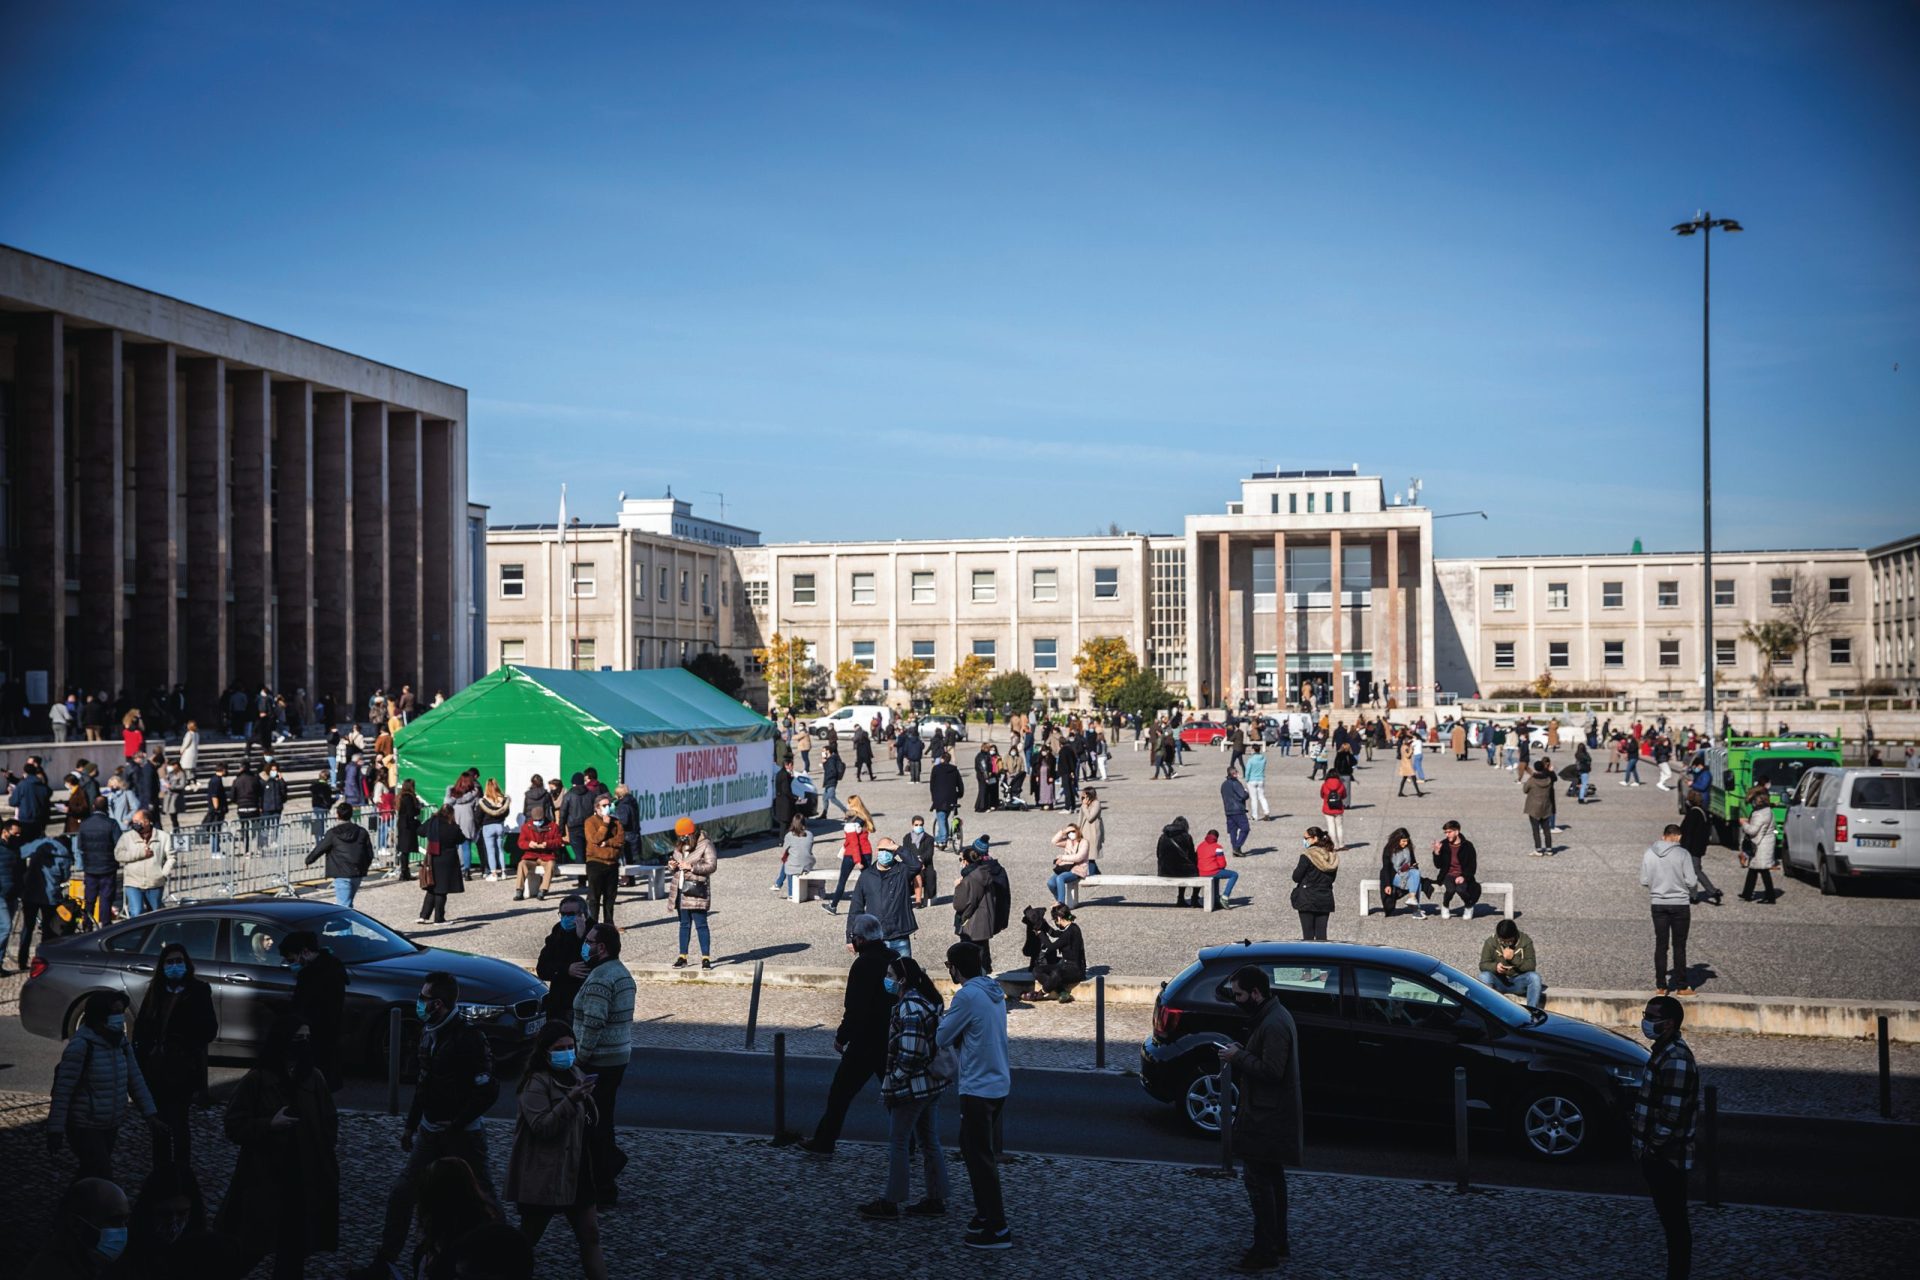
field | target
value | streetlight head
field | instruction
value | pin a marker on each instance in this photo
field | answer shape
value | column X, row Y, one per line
column 1686, row 228
column 1728, row 224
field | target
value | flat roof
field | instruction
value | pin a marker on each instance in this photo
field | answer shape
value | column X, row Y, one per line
column 1655, row 555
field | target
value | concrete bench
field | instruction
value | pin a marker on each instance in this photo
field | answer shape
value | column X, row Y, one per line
column 816, row 883
column 1207, row 884
column 652, row 877
column 1370, row 889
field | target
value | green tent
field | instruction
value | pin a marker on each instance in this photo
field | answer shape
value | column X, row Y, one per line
column 685, row 748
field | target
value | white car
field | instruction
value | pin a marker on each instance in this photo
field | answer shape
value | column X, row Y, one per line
column 1843, row 823
column 843, row 721
column 953, row 727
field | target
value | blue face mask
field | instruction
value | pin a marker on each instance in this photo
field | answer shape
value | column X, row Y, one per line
column 296, row 965
column 884, row 857
column 116, row 1021
column 112, row 1242
column 562, row 1059
column 586, row 951
column 174, row 970
column 420, row 1008
column 893, row 987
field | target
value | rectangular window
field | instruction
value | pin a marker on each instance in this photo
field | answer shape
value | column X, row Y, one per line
column 704, row 588
column 1309, row 504
column 863, row 589
column 1782, row 592
column 1046, row 585
column 1723, row 595
column 1263, row 580
column 1726, row 653
column 756, row 589
column 1046, row 655
column 1669, row 653
column 1329, row 502
column 1667, row 593
column 513, row 653
column 1556, row 595
column 803, row 588
column 1346, row 502
column 1840, row 651
column 1503, row 595
column 863, row 653
column 1503, row 655
column 1106, row 584
column 984, row 590
column 1613, row 595
column 922, row 586
column 986, row 649
column 1840, row 590
column 686, row 586
column 1293, row 504
column 583, row 584
column 1276, row 504
column 1613, row 653
column 665, row 574
column 1557, row 654
column 513, row 581
column 923, row 653
column 582, row 654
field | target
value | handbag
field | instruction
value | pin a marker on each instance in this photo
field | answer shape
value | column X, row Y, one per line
column 426, row 865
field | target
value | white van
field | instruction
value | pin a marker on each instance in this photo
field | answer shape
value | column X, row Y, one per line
column 1843, row 823
column 842, row 722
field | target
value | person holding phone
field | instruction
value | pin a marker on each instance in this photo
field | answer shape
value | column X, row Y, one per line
column 551, row 1167
column 285, row 1196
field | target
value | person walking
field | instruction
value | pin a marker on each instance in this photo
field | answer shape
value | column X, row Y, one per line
column 1405, row 762
column 145, row 862
column 1696, row 833
column 1254, row 770
column 190, row 749
column 1456, row 862
column 1267, row 1119
column 96, row 840
column 1631, row 756
column 285, row 1196
column 975, row 1028
column 1757, row 846
column 603, row 1023
column 1662, row 1126
column 408, row 812
column 1335, row 798
column 443, row 870
column 1234, row 798
column 171, row 1033
column 550, row 1169
column 1313, row 877
column 982, row 900
column 606, row 839
column 856, row 853
column 945, row 790
column 690, row 887
column 832, row 770
column 97, row 1076
column 1666, row 869
column 1536, row 801
column 803, row 743
column 320, row 984
column 348, row 853
column 1583, row 765
column 493, row 810
column 862, row 755
column 910, row 1090
column 861, row 1038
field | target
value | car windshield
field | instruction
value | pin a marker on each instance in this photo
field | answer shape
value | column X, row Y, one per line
column 1485, row 999
column 357, row 939
column 1782, row 773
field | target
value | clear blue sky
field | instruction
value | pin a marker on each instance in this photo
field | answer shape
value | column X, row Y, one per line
column 886, row 270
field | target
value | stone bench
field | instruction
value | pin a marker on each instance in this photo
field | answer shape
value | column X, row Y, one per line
column 652, row 876
column 816, row 883
column 1207, row 884
column 1370, row 889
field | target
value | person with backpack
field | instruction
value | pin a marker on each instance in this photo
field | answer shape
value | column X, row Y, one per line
column 1334, row 798
column 97, row 1075
column 982, row 900
column 917, row 1072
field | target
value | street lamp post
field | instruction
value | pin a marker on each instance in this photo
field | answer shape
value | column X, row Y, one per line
column 1705, row 224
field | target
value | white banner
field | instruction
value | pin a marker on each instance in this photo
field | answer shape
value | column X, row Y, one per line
column 701, row 783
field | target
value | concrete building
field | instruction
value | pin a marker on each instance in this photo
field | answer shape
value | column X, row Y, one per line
column 193, row 499
column 1894, row 568
column 623, row 595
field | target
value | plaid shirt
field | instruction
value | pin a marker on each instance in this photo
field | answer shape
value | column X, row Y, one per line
column 1663, row 1113
column 910, row 1050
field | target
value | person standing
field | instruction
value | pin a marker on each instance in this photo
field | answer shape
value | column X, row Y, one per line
column 145, row 863
column 1583, row 765
column 1536, row 801
column 348, row 851
column 606, row 839
column 443, row 870
column 97, row 1076
column 975, row 1028
column 46, row 866
column 918, row 843
column 285, row 1196
column 1254, row 770
column 320, row 984
column 1335, row 797
column 861, row 1038
column 885, row 892
column 946, row 789
column 13, row 871
column 603, row 1023
column 96, row 840
column 1406, row 763
column 1631, row 778
column 1234, row 798
column 1457, row 863
column 1757, row 853
column 1266, row 1123
column 171, row 1033
column 550, row 1169
column 493, row 811
column 408, row 811
column 803, row 743
column 911, row 1094
column 983, row 900
column 571, row 814
column 1666, row 869
column 1662, row 1126
column 690, row 890
column 563, row 963
column 862, row 755
column 1313, row 877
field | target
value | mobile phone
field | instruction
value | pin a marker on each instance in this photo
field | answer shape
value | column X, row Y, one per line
column 591, row 1080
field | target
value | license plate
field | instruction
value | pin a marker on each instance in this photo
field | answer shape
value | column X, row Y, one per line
column 1877, row 842
column 533, row 1025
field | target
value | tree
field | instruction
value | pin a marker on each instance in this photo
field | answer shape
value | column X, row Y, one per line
column 1776, row 640
column 949, row 699
column 1542, row 685
column 851, row 678
column 912, row 675
column 1103, row 664
column 790, row 675
column 1010, row 691
column 1809, row 613
column 971, row 674
column 1143, row 694
column 718, row 670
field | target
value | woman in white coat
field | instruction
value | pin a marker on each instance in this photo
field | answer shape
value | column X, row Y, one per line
column 190, row 750
column 1756, row 850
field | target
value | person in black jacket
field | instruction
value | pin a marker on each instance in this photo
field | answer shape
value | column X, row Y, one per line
column 1696, row 834
column 918, row 845
column 95, row 843
column 862, row 754
column 456, row 1087
column 319, row 998
column 910, row 747
column 1313, row 879
column 832, row 769
column 985, row 791
column 947, row 790
column 861, row 1040
column 575, row 807
column 1174, row 856
column 560, row 965
column 885, row 892
column 1455, row 862
column 1063, row 961
column 782, row 798
column 348, row 850
column 175, row 1025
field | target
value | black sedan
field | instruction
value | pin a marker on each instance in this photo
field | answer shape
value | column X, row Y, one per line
column 235, row 946
column 1381, row 1031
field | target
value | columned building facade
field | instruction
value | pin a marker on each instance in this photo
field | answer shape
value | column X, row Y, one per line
column 1894, row 568
column 193, row 500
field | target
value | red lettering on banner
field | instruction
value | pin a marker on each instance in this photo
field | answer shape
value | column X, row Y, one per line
column 702, row 764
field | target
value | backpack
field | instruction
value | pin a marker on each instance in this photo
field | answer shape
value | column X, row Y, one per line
column 1336, row 799
column 1000, row 893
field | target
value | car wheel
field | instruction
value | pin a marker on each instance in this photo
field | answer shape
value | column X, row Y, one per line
column 1828, row 885
column 1202, row 1103
column 1557, row 1122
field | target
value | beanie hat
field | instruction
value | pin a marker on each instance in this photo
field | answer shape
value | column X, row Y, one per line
column 979, row 848
column 684, row 827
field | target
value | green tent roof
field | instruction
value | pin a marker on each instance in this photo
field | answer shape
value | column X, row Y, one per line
column 639, row 704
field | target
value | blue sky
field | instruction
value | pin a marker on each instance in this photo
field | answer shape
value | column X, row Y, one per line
column 880, row 270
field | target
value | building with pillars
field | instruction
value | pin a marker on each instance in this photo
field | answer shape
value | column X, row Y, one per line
column 191, row 499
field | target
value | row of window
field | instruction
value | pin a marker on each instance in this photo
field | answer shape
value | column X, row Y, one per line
column 1046, row 653
column 583, row 583
column 584, row 656
column 1613, row 595
column 984, row 586
column 1613, row 654
column 1293, row 503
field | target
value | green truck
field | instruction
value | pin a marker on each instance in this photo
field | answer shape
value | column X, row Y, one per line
column 1738, row 764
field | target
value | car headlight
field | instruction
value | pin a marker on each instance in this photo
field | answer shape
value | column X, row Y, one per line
column 480, row 1012
column 1626, row 1076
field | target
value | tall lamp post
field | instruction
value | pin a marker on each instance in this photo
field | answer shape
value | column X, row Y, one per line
column 1705, row 224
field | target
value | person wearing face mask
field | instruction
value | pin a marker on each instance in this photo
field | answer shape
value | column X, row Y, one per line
column 444, row 869
column 1266, row 1123
column 551, row 1169
column 690, row 887
column 88, row 1237
column 885, row 892
column 97, row 1075
column 1662, row 1126
column 284, row 1199
column 605, row 840
column 561, row 965
column 911, row 1091
column 319, row 997
column 603, row 1026
column 539, row 842
column 145, row 863
column 175, row 1025
column 1313, row 877
column 168, row 1238
column 918, row 843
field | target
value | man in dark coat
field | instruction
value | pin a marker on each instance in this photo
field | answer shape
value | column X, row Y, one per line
column 1696, row 835
column 1066, row 767
column 885, row 892
column 575, row 807
column 861, row 1040
column 947, row 788
column 910, row 748
column 95, row 843
column 561, row 965
column 1174, row 857
column 319, row 998
column 918, row 845
column 1266, row 1122
column 782, row 800
column 862, row 754
column 982, row 901
column 143, row 776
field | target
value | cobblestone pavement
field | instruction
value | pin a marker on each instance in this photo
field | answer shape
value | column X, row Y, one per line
column 763, row 1212
column 1584, row 908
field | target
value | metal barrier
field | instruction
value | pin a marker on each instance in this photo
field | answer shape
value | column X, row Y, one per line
column 266, row 855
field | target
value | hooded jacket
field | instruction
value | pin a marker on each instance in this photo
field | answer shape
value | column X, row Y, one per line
column 975, row 1025
column 945, row 786
column 983, row 901
column 1313, row 879
column 348, row 850
column 1666, row 869
column 1175, row 854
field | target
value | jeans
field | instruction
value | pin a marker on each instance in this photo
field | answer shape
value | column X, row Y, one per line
column 979, row 1147
column 1237, row 830
column 469, row 1145
column 806, row 760
column 1489, row 755
column 1420, row 767
column 99, row 889
column 1512, row 754
column 141, row 901
column 1667, row 1184
column 345, row 889
column 1313, row 926
column 1633, row 768
column 939, row 826
column 1228, row 878
column 912, row 1120
column 1526, row 985
column 691, row 921
column 9, row 903
column 850, row 1076
column 1583, row 787
column 1542, row 830
column 1057, row 885
column 603, row 886
column 1267, row 1194
column 828, row 797
column 1670, row 921
column 493, row 837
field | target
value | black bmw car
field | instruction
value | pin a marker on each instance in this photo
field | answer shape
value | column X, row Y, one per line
column 1381, row 1030
column 235, row 946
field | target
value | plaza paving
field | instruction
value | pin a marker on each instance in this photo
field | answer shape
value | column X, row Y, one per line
column 1584, row 908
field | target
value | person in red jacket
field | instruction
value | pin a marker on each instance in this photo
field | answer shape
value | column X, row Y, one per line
column 1211, row 861
column 1334, row 798
column 856, row 849
column 538, row 842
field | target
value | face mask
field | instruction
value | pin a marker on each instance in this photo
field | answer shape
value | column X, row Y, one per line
column 296, row 965
column 1306, row 842
column 116, row 1021
column 561, row 1059
column 586, row 951
column 420, row 1008
column 175, row 971
column 918, row 828
column 884, row 857
column 112, row 1242
column 893, row 987
column 570, row 920
column 606, row 811
column 1649, row 1028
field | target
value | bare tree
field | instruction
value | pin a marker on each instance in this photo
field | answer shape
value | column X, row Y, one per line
column 1809, row 614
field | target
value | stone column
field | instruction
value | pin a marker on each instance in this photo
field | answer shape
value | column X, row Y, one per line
column 252, row 464
column 99, row 465
column 369, row 514
column 1221, row 691
column 1424, row 586
column 1336, row 690
column 205, row 435
column 1280, row 617
column 333, row 576
column 403, row 552
column 293, row 547
column 1396, row 633
column 40, row 375
column 154, row 660
column 442, row 527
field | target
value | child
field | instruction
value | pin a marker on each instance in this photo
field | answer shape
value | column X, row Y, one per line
column 1212, row 862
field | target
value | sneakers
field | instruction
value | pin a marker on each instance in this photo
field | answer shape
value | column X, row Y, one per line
column 776, row 888
column 1538, row 853
column 681, row 963
column 519, row 895
column 706, row 962
column 880, row 1211
column 830, row 908
column 989, row 1238
column 927, row 1208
